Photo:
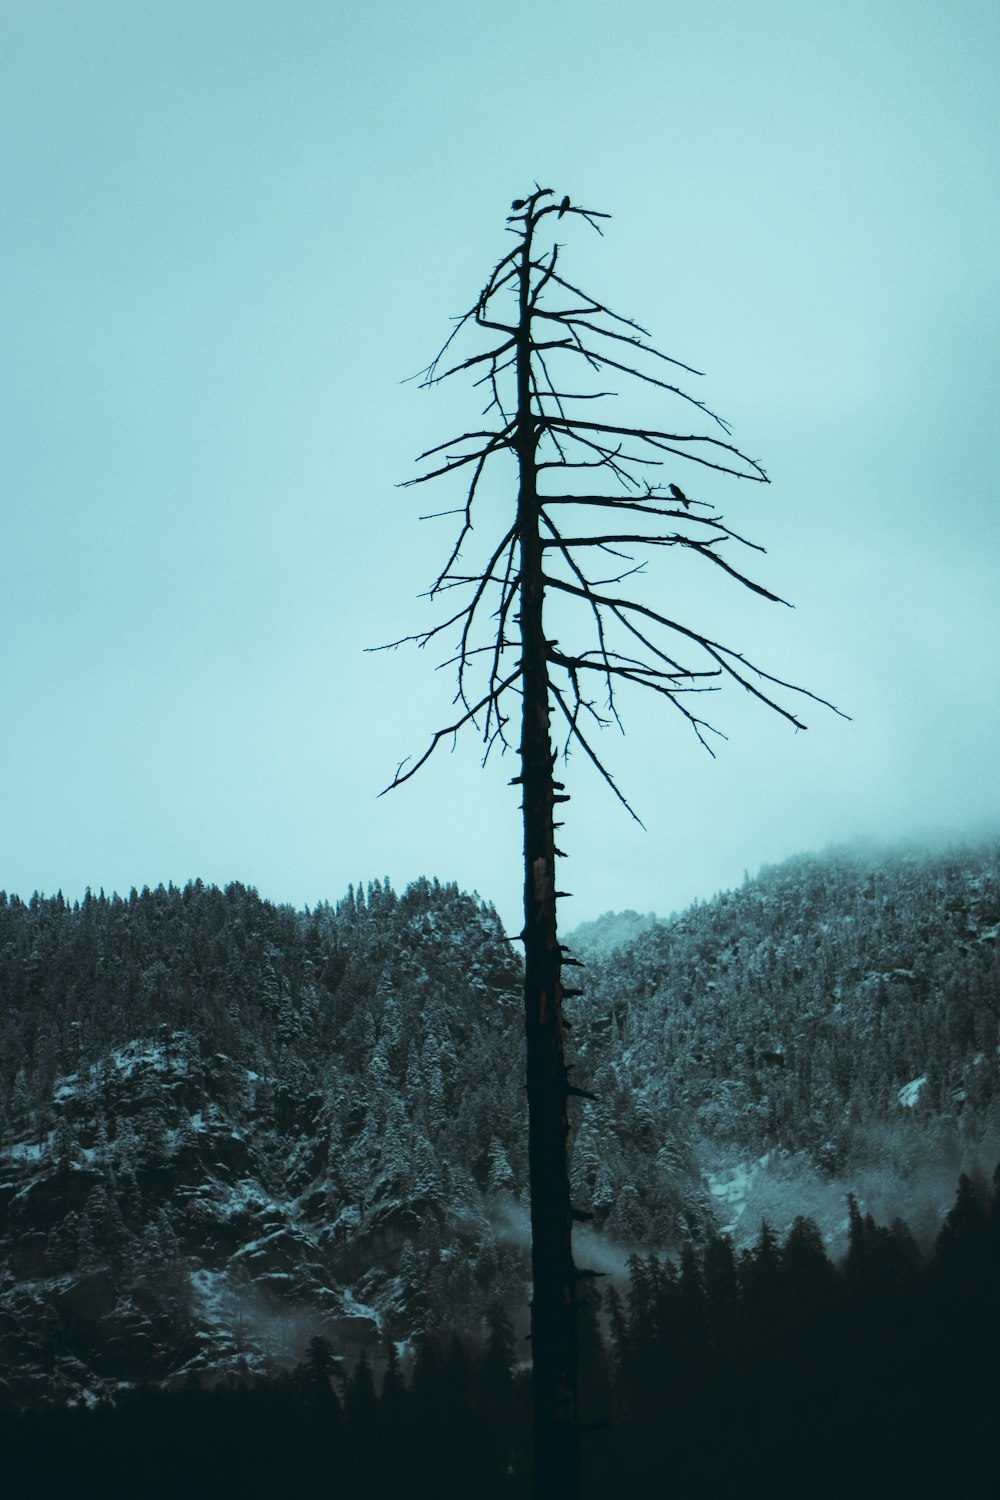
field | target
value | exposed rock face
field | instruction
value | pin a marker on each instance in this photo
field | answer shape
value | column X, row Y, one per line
column 193, row 1240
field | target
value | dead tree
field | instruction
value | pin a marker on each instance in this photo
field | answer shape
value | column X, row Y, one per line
column 543, row 333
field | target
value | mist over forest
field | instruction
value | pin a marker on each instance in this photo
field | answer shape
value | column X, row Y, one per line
column 250, row 1148
column 229, row 1126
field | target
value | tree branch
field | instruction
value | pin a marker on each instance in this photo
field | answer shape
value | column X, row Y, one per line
column 442, row 734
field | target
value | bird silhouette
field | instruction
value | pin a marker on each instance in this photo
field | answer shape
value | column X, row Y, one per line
column 679, row 494
column 563, row 207
column 517, row 203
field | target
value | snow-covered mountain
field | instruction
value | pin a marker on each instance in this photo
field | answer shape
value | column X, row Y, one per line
column 228, row 1127
column 831, row 1027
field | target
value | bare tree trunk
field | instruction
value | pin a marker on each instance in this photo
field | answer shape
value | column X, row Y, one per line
column 628, row 643
column 556, row 1437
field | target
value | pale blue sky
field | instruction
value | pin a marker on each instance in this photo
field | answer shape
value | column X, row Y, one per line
column 229, row 230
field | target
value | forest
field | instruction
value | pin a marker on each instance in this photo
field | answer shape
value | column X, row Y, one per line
column 769, row 1372
column 263, row 1187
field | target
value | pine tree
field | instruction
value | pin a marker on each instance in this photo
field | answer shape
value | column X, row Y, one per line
column 393, row 1394
column 320, row 1367
column 361, row 1411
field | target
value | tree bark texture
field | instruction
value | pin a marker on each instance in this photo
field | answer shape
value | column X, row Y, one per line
column 556, row 1437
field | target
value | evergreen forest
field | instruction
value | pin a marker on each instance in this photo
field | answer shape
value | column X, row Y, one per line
column 263, row 1198
column 769, row 1372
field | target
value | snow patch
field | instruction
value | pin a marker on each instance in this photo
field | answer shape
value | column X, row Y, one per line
column 355, row 1309
column 140, row 1056
column 909, row 1094
column 731, row 1189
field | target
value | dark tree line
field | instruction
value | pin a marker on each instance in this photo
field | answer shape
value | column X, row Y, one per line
column 771, row 1371
column 776, row 1372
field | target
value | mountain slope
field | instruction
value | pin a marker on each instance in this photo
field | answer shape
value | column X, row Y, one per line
column 228, row 1126
column 839, row 1012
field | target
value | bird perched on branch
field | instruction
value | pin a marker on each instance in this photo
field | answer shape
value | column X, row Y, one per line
column 563, row 207
column 517, row 203
column 679, row 494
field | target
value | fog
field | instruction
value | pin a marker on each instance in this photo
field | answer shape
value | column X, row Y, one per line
column 226, row 246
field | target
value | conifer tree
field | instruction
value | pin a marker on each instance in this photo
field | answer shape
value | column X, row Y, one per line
column 544, row 332
column 320, row 1366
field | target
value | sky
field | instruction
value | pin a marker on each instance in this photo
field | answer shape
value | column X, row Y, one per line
column 231, row 231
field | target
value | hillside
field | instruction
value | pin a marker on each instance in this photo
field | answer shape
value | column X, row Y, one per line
column 229, row 1126
column 830, row 1027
